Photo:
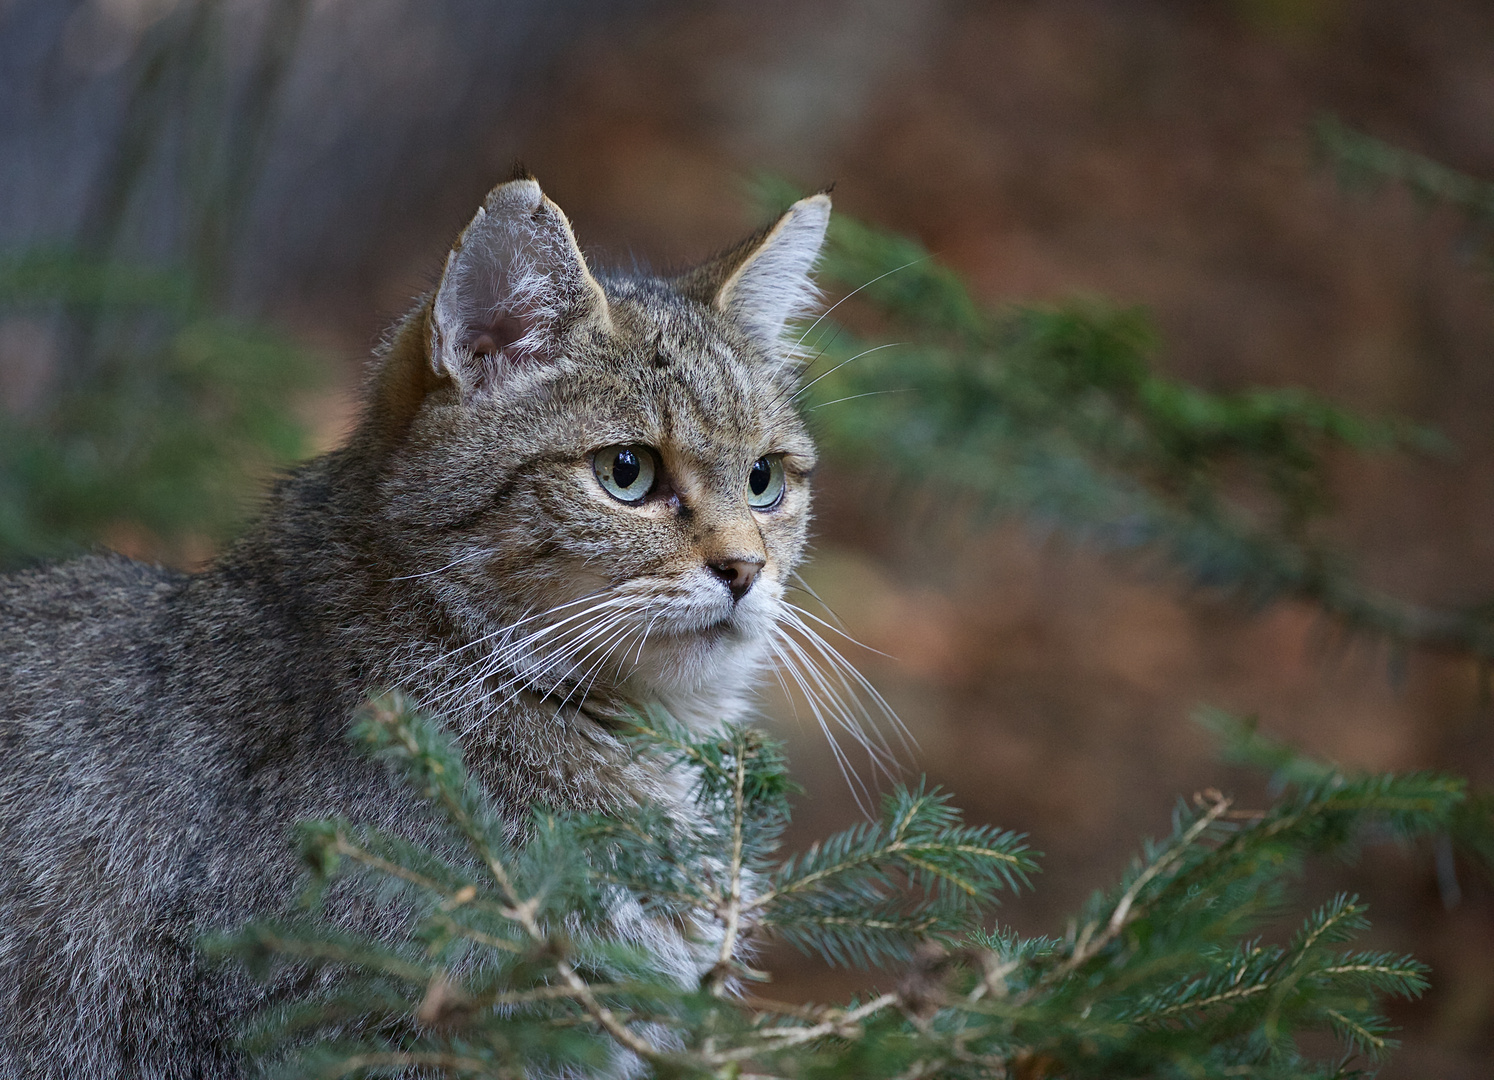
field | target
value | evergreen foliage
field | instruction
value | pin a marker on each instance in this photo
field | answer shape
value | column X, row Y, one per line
column 1366, row 163
column 163, row 414
column 157, row 411
column 1055, row 413
column 532, row 959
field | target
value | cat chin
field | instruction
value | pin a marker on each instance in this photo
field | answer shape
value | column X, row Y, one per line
column 719, row 661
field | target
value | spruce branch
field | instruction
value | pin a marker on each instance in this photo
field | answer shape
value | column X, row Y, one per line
column 731, row 910
column 919, row 833
column 1094, row 938
column 1056, row 414
column 439, row 775
column 1160, row 977
column 1362, row 161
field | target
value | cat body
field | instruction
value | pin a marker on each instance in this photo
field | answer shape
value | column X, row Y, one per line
column 567, row 497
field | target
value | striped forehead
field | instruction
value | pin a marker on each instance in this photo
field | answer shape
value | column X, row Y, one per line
column 705, row 398
column 695, row 376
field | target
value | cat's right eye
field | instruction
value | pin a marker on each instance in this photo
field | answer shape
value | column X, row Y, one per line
column 626, row 473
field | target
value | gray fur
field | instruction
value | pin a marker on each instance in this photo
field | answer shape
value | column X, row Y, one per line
column 162, row 731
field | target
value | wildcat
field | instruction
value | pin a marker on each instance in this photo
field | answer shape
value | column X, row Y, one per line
column 568, row 495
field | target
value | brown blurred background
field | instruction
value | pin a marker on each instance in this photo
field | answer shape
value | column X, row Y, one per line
column 1151, row 151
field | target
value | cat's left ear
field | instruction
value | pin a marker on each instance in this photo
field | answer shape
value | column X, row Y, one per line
column 764, row 282
column 513, row 281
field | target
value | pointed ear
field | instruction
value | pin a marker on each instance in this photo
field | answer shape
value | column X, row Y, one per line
column 764, row 281
column 513, row 281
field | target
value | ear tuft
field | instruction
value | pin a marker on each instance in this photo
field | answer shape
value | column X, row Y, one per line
column 514, row 279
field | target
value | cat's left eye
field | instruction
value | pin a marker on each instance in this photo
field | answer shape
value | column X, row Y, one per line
column 625, row 472
column 765, row 482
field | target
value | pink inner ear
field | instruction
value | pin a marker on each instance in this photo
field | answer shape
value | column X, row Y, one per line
column 495, row 337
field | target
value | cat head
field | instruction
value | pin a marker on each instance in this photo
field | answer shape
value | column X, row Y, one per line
column 600, row 482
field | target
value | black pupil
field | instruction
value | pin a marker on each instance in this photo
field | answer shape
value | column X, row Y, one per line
column 758, row 478
column 625, row 469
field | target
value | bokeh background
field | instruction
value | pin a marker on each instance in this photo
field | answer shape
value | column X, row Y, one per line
column 292, row 172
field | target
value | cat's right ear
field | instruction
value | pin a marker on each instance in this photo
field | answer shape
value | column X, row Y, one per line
column 513, row 280
column 764, row 282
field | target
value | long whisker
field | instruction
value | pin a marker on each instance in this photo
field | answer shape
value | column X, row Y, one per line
column 821, row 348
column 824, row 314
column 588, row 677
column 825, row 374
column 468, row 681
column 475, row 675
column 790, row 395
column 638, row 653
column 561, row 645
column 454, row 562
column 565, row 629
column 576, row 640
column 859, row 790
column 588, row 681
column 845, row 668
column 777, row 669
column 880, row 756
column 834, row 627
column 853, row 397
column 504, row 630
column 531, row 639
column 804, row 586
column 519, row 681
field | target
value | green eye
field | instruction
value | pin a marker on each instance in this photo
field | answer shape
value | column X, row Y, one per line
column 625, row 472
column 765, row 482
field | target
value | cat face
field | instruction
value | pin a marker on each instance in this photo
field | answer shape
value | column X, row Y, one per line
column 610, row 478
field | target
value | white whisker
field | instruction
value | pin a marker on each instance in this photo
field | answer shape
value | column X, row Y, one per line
column 588, row 681
column 454, row 562
column 575, row 621
column 866, row 735
column 837, row 627
column 588, row 677
column 573, row 643
column 853, row 397
column 858, row 787
column 824, row 374
column 638, row 654
column 845, row 668
column 825, row 314
column 501, row 631
column 804, row 586
column 522, row 661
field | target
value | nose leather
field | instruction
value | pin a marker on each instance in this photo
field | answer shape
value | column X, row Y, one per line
column 737, row 574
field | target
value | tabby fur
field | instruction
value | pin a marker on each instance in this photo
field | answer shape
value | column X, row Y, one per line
column 162, row 731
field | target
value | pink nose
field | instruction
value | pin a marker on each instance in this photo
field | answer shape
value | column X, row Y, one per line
column 737, row 574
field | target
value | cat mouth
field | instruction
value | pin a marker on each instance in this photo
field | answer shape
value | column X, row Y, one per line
column 693, row 622
column 727, row 626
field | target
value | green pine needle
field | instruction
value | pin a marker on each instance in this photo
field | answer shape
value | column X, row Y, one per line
column 518, row 956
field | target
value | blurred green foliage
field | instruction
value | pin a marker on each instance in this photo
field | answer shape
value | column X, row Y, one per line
column 1365, row 163
column 156, row 416
column 1057, row 414
column 159, row 415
